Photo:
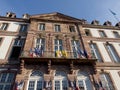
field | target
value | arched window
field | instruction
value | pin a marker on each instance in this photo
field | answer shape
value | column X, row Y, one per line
column 36, row 81
column 106, row 81
column 60, row 81
column 83, row 81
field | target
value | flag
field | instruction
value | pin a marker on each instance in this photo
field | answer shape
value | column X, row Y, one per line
column 85, row 54
column 58, row 53
column 80, row 53
column 64, row 53
column 20, row 85
column 31, row 52
column 112, row 12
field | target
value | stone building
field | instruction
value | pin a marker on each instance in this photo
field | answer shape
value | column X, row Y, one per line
column 58, row 52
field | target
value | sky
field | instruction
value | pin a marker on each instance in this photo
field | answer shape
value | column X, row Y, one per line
column 81, row 9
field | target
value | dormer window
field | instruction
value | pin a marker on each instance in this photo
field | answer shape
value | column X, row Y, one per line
column 72, row 28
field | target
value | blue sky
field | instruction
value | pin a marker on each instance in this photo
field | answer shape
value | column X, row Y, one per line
column 82, row 9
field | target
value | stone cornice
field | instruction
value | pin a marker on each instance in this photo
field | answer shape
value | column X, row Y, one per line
column 101, row 39
column 8, row 33
column 100, row 26
column 14, row 19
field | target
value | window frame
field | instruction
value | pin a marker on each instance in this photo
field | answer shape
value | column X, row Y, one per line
column 110, row 81
column 57, row 28
column 23, row 27
column 35, row 79
column 58, row 45
column 94, row 53
column 4, row 26
column 102, row 34
column 72, row 28
column 41, row 43
column 116, row 36
column 87, row 30
column 111, row 52
column 12, row 81
column 83, row 76
column 60, row 78
column 42, row 26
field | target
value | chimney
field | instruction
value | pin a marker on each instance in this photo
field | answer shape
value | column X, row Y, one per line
column 26, row 16
column 95, row 22
column 107, row 23
column 11, row 15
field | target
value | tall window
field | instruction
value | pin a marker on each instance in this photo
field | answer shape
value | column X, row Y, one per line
column 113, row 54
column 57, row 28
column 116, row 35
column 58, row 44
column 16, row 50
column 60, row 81
column 42, row 26
column 87, row 32
column 75, row 48
column 106, row 81
column 84, row 82
column 95, row 52
column 6, row 81
column 23, row 28
column 40, row 42
column 72, row 28
column 36, row 81
column 4, row 26
column 102, row 34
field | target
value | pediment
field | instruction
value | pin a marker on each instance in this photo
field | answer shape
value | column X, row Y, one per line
column 56, row 17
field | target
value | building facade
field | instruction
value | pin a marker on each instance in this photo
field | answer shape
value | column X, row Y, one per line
column 58, row 52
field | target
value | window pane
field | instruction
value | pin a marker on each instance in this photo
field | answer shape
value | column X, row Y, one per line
column 116, row 35
column 64, row 85
column 23, row 28
column 87, row 32
column 81, row 84
column 31, row 85
column 1, row 87
column 4, row 26
column 102, row 33
column 72, row 28
column 57, row 28
column 42, row 26
column 95, row 52
column 39, row 85
column 10, row 77
column 7, row 87
column 57, row 85
column 106, row 81
column 4, row 75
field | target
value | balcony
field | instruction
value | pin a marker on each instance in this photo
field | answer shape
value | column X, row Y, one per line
column 51, row 55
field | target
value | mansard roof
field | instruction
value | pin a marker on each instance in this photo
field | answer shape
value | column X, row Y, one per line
column 56, row 17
